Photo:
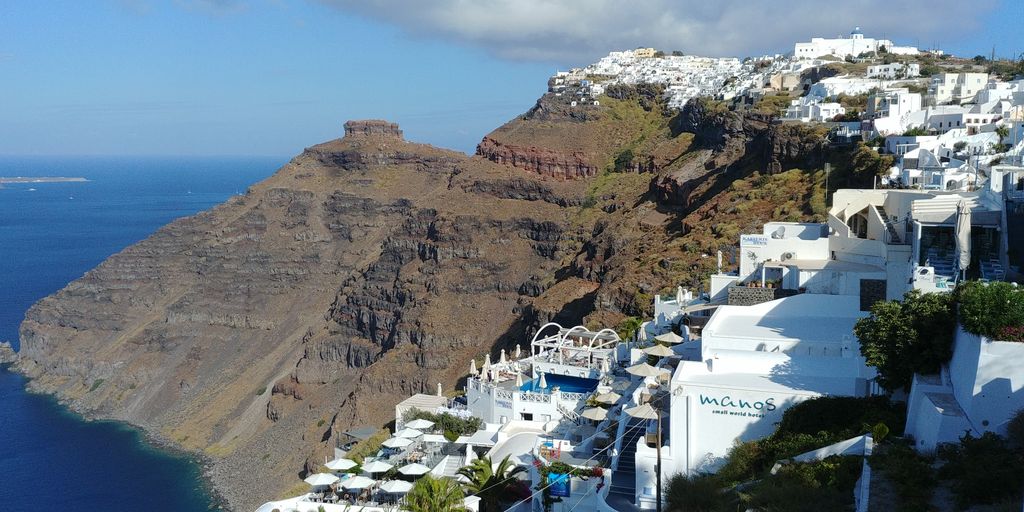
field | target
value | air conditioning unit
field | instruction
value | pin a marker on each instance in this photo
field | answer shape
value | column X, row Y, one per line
column 786, row 256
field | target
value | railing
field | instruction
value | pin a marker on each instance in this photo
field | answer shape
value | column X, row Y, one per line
column 503, row 394
column 540, row 398
column 573, row 397
column 568, row 413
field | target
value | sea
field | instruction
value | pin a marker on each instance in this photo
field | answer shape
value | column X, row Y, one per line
column 51, row 234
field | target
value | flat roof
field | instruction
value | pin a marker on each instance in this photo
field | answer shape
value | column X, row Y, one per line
column 780, row 381
column 805, row 317
column 425, row 402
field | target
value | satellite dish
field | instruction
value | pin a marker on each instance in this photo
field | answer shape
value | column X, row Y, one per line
column 779, row 233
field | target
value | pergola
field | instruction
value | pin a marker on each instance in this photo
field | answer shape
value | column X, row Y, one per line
column 576, row 346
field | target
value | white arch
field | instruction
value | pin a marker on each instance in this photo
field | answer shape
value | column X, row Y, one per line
column 545, row 326
column 617, row 338
column 567, row 333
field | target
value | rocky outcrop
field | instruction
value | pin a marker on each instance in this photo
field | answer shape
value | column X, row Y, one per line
column 546, row 162
column 7, row 353
column 373, row 127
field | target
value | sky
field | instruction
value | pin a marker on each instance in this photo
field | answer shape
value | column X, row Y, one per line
column 270, row 77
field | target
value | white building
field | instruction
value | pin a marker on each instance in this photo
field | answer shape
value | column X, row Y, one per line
column 956, row 88
column 812, row 108
column 851, row 86
column 894, row 71
column 851, row 46
column 891, row 110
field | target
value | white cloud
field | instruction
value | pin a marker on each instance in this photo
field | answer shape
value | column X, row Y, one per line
column 577, row 31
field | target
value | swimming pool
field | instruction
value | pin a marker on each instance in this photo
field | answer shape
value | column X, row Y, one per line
column 564, row 383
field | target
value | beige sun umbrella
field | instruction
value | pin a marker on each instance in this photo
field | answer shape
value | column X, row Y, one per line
column 669, row 337
column 487, row 361
column 439, row 390
column 501, row 359
column 519, row 380
column 519, row 351
column 643, row 370
column 420, row 424
column 472, row 367
column 610, row 398
column 397, row 442
column 644, row 412
column 543, row 384
column 659, row 351
column 595, row 413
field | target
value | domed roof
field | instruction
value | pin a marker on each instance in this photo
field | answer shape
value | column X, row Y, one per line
column 856, row 32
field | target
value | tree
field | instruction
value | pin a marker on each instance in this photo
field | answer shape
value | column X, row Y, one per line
column 960, row 146
column 431, row 494
column 492, row 484
column 1003, row 131
column 677, row 53
column 903, row 338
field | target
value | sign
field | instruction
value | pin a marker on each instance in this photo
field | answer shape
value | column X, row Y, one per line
column 730, row 406
column 559, row 483
column 754, row 240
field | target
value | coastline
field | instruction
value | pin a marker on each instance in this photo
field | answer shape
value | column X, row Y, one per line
column 148, row 439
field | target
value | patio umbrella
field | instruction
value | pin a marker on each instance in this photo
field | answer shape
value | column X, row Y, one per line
column 487, row 361
column 439, row 393
column 659, row 351
column 472, row 367
column 644, row 412
column 410, row 433
column 501, row 359
column 606, row 366
column 608, row 398
column 377, row 466
column 434, row 438
column 419, row 424
column 414, row 469
column 519, row 380
column 595, row 413
column 341, row 464
column 643, row 370
column 963, row 236
column 669, row 337
column 396, row 486
column 357, row 482
column 320, row 479
column 519, row 351
column 679, row 295
column 397, row 442
column 543, row 382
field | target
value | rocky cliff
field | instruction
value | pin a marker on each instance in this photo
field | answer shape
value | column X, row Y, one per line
column 369, row 268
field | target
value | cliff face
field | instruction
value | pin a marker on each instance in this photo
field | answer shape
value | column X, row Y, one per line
column 369, row 268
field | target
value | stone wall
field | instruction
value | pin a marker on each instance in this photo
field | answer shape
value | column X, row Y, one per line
column 743, row 296
column 371, row 127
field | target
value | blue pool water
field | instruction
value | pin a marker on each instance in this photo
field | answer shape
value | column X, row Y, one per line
column 564, row 383
column 51, row 459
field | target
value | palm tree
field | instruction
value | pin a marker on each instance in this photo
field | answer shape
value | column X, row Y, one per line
column 431, row 494
column 490, row 483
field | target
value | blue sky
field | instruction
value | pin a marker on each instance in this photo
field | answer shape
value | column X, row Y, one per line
column 269, row 77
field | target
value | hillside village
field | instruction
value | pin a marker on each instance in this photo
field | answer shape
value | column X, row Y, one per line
column 781, row 377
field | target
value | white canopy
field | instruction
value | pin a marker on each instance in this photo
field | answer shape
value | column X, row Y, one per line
column 595, row 413
column 397, row 442
column 610, row 397
column 644, row 370
column 644, row 412
column 414, row 469
column 658, row 351
column 377, row 466
column 669, row 337
column 357, row 482
column 396, row 486
column 319, row 479
column 419, row 424
column 434, row 438
column 410, row 433
column 341, row 464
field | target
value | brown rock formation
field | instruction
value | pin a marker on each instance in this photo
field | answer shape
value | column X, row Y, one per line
column 542, row 161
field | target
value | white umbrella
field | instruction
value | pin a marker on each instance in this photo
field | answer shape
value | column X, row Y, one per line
column 495, row 374
column 519, row 380
column 397, row 442
column 644, row 412
column 341, row 464
column 414, row 469
column 543, row 382
column 679, row 295
column 963, row 236
column 669, row 337
column 484, row 375
column 595, row 413
column 439, row 393
column 357, row 482
column 519, row 351
column 396, row 486
column 606, row 366
column 608, row 398
column 472, row 367
column 377, row 466
column 321, row 479
column 419, row 424
column 409, row 433
column 643, row 370
column 501, row 359
column 658, row 351
column 487, row 361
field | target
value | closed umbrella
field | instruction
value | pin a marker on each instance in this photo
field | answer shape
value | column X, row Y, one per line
column 519, row 351
column 341, row 464
column 439, row 393
column 420, row 424
column 659, row 351
column 487, row 361
column 606, row 366
column 357, row 482
column 501, row 359
column 414, row 469
column 963, row 236
column 669, row 337
column 321, row 479
column 595, row 413
column 377, row 466
column 642, row 370
column 608, row 398
column 397, row 442
column 519, row 380
column 409, row 433
column 396, row 486
column 543, row 382
column 472, row 367
column 644, row 412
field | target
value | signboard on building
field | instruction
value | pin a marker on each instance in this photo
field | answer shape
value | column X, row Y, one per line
column 753, row 241
column 560, row 485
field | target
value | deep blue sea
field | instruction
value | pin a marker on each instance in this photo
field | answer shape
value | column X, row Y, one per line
column 50, row 234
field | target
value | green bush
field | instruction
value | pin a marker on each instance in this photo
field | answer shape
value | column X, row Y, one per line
column 810, row 487
column 446, row 423
column 983, row 470
column 842, row 415
column 697, row 493
column 988, row 309
column 911, row 475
